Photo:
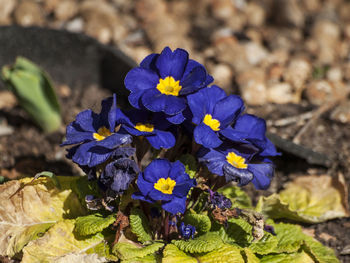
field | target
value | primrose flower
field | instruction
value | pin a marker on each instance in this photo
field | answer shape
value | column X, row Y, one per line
column 118, row 175
column 95, row 135
column 163, row 81
column 219, row 200
column 213, row 112
column 238, row 163
column 187, row 231
column 167, row 182
column 251, row 129
column 153, row 128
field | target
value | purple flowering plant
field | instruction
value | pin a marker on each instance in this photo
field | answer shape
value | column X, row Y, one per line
column 160, row 166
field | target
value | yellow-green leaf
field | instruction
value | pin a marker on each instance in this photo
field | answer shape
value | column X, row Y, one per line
column 205, row 243
column 310, row 199
column 320, row 253
column 238, row 197
column 92, row 224
column 27, row 212
column 172, row 254
column 301, row 257
column 59, row 242
column 126, row 251
column 250, row 256
column 226, row 254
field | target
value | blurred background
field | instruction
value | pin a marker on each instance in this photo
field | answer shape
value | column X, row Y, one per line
column 288, row 59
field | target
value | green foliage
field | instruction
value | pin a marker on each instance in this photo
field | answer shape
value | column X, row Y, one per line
column 34, row 92
column 172, row 254
column 92, row 224
column 249, row 256
column 127, row 251
column 237, row 231
column 318, row 252
column 205, row 243
column 238, row 197
column 147, row 259
column 290, row 238
column 190, row 164
column 297, row 257
column 140, row 225
column 200, row 221
column 224, row 254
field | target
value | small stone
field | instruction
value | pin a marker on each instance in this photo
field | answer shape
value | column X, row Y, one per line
column 252, row 86
column 223, row 9
column 7, row 99
column 255, row 53
column 50, row 5
column 345, row 250
column 65, row 10
column 335, row 74
column 297, row 72
column 326, row 236
column 29, row 13
column 320, row 91
column 75, row 25
column 275, row 73
column 341, row 113
column 288, row 13
column 64, row 91
column 280, row 93
column 99, row 29
column 255, row 14
column 223, row 76
column 7, row 6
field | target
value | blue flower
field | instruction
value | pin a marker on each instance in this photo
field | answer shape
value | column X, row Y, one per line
column 213, row 112
column 187, row 231
column 238, row 163
column 219, row 200
column 167, row 182
column 153, row 128
column 251, row 129
column 118, row 175
column 163, row 81
column 96, row 135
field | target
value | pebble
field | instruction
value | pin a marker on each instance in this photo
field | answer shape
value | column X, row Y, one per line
column 223, row 9
column 7, row 6
column 255, row 14
column 66, row 9
column 50, row 5
column 255, row 53
column 334, row 74
column 341, row 113
column 7, row 99
column 252, row 86
column 223, row 76
column 75, row 25
column 345, row 250
column 280, row 93
column 320, row 91
column 29, row 13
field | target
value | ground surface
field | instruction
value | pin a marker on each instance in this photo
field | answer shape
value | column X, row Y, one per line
column 290, row 61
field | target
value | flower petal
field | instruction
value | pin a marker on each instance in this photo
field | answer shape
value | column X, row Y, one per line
column 176, row 119
column 144, row 186
column 242, row 176
column 162, row 139
column 149, row 62
column 153, row 100
column 176, row 205
column 172, row 63
column 115, row 140
column 263, row 174
column 213, row 159
column 139, row 196
column 174, row 105
column 74, row 135
column 85, row 120
column 157, row 169
column 181, row 189
column 141, row 79
column 82, row 156
column 193, row 64
column 205, row 136
column 228, row 109
column 193, row 81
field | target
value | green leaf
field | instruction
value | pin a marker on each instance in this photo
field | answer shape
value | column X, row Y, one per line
column 318, row 252
column 34, row 92
column 300, row 257
column 238, row 197
column 92, row 224
column 147, row 259
column 249, row 256
column 140, row 225
column 290, row 237
column 310, row 199
column 190, row 164
column 28, row 208
column 205, row 243
column 126, row 251
column 172, row 254
column 265, row 245
column 200, row 221
column 237, row 231
column 49, row 175
column 225, row 254
column 59, row 242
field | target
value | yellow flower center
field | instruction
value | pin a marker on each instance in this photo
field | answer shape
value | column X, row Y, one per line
column 169, row 86
column 212, row 123
column 236, row 160
column 102, row 133
column 147, row 127
column 166, row 186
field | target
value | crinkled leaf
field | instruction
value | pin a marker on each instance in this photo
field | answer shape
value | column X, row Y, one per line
column 225, row 254
column 34, row 92
column 147, row 259
column 237, row 231
column 59, row 241
column 205, row 243
column 265, row 245
column 27, row 213
column 92, row 224
column 249, row 256
column 83, row 187
column 200, row 221
column 238, row 197
column 171, row 254
column 310, row 199
column 290, row 237
column 190, row 164
column 319, row 252
column 81, row 258
column 300, row 257
column 126, row 251
column 140, row 225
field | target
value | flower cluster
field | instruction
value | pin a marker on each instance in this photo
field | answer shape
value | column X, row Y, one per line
column 175, row 112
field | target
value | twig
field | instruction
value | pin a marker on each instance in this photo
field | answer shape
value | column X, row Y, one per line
column 292, row 119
